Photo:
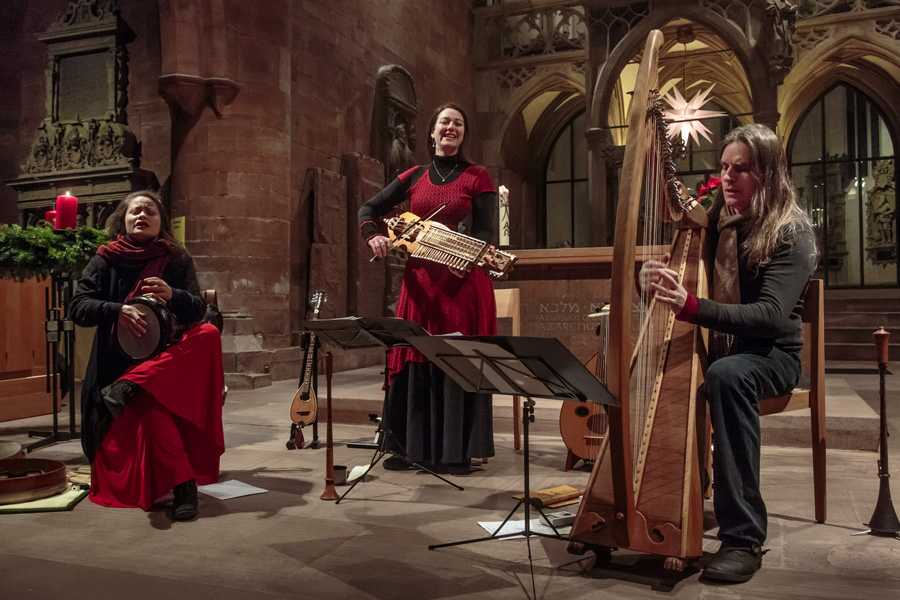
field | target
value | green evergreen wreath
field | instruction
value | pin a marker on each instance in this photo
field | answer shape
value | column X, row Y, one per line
column 39, row 251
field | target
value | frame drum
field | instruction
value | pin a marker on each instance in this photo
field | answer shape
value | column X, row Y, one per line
column 27, row 479
column 159, row 334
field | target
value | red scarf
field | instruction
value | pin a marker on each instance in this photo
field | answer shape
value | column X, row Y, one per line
column 153, row 257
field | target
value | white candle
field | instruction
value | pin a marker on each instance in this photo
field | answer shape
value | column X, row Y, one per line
column 503, row 197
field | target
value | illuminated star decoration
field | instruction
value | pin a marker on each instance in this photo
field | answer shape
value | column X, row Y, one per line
column 684, row 117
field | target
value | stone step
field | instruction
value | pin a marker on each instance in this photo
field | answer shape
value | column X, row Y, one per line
column 862, row 352
column 852, row 335
column 247, row 381
column 862, row 319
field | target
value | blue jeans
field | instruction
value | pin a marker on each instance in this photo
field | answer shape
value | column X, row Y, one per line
column 734, row 385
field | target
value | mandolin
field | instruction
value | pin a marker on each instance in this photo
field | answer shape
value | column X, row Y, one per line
column 303, row 407
column 434, row 241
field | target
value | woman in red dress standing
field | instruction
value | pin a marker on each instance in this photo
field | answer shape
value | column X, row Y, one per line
column 155, row 426
column 432, row 420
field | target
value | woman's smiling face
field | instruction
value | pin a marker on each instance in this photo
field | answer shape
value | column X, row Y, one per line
column 448, row 133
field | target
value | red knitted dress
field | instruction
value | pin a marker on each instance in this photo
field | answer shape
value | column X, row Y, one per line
column 430, row 418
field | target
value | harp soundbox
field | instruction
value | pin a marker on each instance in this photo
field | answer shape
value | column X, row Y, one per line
column 644, row 491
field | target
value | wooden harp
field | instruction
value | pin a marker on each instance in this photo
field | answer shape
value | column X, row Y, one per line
column 644, row 491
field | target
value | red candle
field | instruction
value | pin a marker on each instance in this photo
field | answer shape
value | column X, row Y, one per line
column 66, row 211
column 50, row 217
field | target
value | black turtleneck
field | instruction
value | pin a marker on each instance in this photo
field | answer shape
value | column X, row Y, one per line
column 443, row 170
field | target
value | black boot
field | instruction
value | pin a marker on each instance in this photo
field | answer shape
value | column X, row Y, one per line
column 118, row 394
column 185, row 505
column 734, row 564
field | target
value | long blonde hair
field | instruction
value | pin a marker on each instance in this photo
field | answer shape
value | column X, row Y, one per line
column 774, row 212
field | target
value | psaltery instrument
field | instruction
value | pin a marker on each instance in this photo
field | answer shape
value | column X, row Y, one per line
column 644, row 490
column 436, row 242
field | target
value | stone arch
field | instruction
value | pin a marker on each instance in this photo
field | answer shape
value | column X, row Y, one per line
column 820, row 69
column 760, row 87
column 522, row 151
column 564, row 83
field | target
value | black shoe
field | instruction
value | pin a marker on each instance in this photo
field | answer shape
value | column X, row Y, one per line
column 185, row 505
column 733, row 564
column 395, row 463
column 118, row 394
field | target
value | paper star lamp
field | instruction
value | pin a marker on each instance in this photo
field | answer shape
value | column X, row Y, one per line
column 684, row 116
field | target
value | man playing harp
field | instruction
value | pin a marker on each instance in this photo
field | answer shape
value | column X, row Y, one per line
column 764, row 252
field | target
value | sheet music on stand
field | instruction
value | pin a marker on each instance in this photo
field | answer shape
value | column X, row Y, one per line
column 518, row 366
column 366, row 332
column 527, row 366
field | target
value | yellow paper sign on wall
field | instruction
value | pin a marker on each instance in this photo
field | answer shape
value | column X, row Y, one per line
column 178, row 229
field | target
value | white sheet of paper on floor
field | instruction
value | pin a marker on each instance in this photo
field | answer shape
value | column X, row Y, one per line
column 226, row 490
column 519, row 527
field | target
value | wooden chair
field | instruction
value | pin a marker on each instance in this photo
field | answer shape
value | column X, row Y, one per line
column 508, row 307
column 813, row 397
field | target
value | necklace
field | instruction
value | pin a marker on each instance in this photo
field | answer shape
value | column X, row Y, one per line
column 444, row 177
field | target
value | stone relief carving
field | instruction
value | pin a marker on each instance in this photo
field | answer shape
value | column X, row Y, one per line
column 513, row 78
column 538, row 31
column 394, row 120
column 87, row 11
column 818, row 8
column 807, row 39
column 881, row 215
column 81, row 145
column 614, row 23
column 781, row 22
column 889, row 28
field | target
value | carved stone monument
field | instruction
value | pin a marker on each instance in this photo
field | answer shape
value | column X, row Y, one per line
column 83, row 145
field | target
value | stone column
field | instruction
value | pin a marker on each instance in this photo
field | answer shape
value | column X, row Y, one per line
column 230, row 175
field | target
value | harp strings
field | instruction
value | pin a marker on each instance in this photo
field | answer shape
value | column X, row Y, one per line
column 650, row 318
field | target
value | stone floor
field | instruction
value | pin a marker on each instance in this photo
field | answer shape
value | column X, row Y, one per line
column 289, row 543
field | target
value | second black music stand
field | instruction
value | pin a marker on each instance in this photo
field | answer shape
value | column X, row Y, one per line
column 371, row 332
column 529, row 367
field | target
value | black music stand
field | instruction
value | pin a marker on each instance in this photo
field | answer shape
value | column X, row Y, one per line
column 370, row 332
column 525, row 366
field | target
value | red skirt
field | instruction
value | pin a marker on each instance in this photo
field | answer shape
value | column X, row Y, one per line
column 172, row 433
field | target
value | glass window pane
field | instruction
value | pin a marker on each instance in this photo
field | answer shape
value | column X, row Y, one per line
column 837, row 138
column 580, row 147
column 559, row 167
column 807, row 144
column 559, row 214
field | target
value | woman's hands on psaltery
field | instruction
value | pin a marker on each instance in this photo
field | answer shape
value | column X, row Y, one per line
column 131, row 318
column 656, row 276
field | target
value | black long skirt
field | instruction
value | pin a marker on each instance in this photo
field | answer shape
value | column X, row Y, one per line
column 433, row 420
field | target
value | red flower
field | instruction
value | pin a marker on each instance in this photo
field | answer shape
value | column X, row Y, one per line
column 707, row 188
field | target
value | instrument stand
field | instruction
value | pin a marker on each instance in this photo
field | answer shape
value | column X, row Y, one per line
column 526, row 367
column 368, row 332
column 314, row 385
column 60, row 331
